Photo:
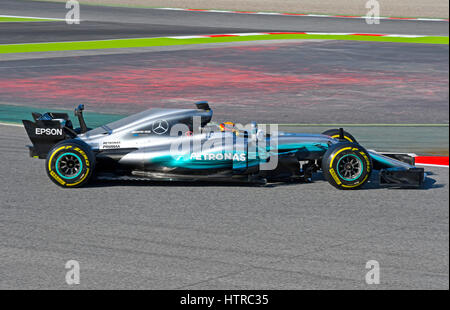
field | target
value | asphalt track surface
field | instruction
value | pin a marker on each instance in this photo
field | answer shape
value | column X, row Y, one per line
column 111, row 22
column 139, row 235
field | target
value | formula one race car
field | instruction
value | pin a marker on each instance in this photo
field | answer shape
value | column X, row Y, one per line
column 183, row 144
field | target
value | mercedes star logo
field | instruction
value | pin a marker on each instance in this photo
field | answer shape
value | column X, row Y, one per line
column 160, row 127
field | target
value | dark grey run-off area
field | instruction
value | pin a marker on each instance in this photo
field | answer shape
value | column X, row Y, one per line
column 289, row 82
column 216, row 236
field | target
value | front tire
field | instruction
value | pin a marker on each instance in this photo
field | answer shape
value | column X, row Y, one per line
column 347, row 166
column 70, row 163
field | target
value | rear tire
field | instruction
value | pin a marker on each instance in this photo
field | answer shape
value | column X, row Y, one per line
column 334, row 133
column 347, row 166
column 70, row 163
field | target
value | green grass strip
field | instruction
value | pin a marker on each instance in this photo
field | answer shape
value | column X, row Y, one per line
column 148, row 42
column 23, row 19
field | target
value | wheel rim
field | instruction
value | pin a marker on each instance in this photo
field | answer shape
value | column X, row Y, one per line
column 69, row 165
column 350, row 167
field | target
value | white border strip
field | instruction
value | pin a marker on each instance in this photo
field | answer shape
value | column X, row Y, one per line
column 432, row 165
column 307, row 15
column 32, row 17
column 11, row 124
column 306, row 33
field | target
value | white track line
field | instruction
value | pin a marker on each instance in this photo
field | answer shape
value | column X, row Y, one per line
column 431, row 165
column 306, row 15
column 32, row 17
column 11, row 124
column 306, row 33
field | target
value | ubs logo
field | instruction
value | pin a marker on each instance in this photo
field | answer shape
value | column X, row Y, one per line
column 160, row 127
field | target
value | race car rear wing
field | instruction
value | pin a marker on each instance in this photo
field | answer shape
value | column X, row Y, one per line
column 50, row 128
column 47, row 130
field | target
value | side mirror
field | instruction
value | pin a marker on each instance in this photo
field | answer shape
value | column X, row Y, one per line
column 79, row 114
column 79, row 109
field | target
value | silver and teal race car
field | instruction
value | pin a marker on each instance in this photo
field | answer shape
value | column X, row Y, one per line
column 184, row 145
